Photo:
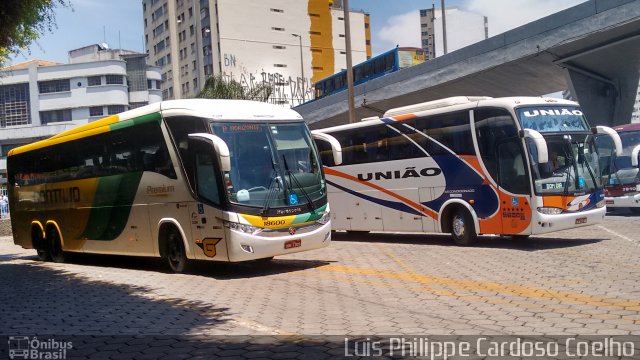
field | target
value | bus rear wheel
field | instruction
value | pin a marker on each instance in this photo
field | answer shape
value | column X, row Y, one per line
column 176, row 254
column 55, row 246
column 462, row 229
column 37, row 239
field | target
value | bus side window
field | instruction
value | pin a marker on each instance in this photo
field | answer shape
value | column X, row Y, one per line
column 492, row 126
column 205, row 170
column 326, row 153
column 512, row 174
column 179, row 128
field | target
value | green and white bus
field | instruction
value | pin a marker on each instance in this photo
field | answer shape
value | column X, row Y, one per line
column 225, row 180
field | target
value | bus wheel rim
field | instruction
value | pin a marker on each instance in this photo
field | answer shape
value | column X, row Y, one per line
column 458, row 226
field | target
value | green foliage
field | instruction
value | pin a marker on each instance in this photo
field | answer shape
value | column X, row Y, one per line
column 219, row 87
column 23, row 21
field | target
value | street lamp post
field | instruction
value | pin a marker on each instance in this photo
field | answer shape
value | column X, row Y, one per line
column 347, row 37
column 301, row 65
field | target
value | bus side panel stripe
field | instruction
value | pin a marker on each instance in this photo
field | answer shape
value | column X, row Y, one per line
column 419, row 207
column 110, row 212
column 136, row 121
column 390, row 204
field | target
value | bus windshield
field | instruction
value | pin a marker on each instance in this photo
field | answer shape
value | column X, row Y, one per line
column 573, row 166
column 618, row 169
column 272, row 165
column 552, row 119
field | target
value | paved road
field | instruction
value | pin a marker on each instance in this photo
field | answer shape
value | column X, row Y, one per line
column 583, row 281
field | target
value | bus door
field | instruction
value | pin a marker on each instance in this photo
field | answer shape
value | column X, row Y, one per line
column 206, row 217
column 514, row 186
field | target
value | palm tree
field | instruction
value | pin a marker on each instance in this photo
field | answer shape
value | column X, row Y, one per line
column 217, row 87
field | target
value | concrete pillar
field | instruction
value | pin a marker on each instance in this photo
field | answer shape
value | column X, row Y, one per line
column 34, row 95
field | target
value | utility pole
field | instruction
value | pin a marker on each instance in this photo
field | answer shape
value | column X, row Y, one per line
column 347, row 37
column 301, row 66
column 444, row 28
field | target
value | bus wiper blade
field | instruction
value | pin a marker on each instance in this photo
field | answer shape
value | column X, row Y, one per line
column 295, row 180
column 271, row 191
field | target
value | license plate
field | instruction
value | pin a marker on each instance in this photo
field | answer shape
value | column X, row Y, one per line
column 582, row 220
column 292, row 244
column 609, row 202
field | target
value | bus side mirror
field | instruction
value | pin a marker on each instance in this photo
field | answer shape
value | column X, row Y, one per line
column 335, row 145
column 612, row 133
column 539, row 141
column 222, row 150
column 634, row 156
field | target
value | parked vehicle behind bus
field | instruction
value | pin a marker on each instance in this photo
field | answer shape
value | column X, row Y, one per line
column 620, row 173
column 223, row 180
column 468, row 166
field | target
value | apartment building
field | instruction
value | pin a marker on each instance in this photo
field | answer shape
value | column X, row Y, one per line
column 39, row 99
column 288, row 44
column 463, row 28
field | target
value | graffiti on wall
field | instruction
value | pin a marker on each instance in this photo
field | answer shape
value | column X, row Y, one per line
column 284, row 90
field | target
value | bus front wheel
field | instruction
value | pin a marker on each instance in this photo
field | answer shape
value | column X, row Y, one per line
column 176, row 255
column 462, row 228
column 55, row 246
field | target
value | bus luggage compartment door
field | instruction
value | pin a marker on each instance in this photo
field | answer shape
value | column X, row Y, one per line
column 365, row 215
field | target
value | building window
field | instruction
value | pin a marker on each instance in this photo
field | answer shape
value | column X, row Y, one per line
column 314, row 15
column 115, row 109
column 280, row 65
column 53, row 86
column 340, row 18
column 96, row 111
column 47, row 117
column 315, row 33
column 14, row 105
column 341, row 35
column 149, row 84
column 277, row 10
column 277, row 29
column 135, row 105
column 315, row 50
column 115, row 79
column 279, row 47
column 94, row 80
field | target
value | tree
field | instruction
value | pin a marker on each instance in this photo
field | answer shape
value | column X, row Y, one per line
column 23, row 21
column 217, row 87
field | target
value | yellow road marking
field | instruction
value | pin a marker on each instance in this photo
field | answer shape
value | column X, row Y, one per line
column 491, row 287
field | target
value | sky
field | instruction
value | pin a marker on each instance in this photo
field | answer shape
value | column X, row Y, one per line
column 119, row 23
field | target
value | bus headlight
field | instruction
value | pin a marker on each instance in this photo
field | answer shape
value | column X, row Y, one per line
column 242, row 227
column 325, row 218
column 550, row 210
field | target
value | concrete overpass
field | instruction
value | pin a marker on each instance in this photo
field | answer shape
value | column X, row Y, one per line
column 593, row 49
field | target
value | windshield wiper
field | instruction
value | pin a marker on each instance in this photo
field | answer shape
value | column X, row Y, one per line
column 271, row 190
column 295, row 180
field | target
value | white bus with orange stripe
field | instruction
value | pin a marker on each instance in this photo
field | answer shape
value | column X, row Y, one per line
column 224, row 180
column 467, row 166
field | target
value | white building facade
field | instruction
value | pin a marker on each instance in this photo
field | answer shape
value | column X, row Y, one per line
column 288, row 44
column 39, row 99
column 463, row 28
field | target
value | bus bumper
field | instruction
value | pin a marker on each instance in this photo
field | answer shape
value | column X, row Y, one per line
column 243, row 247
column 543, row 223
column 623, row 201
